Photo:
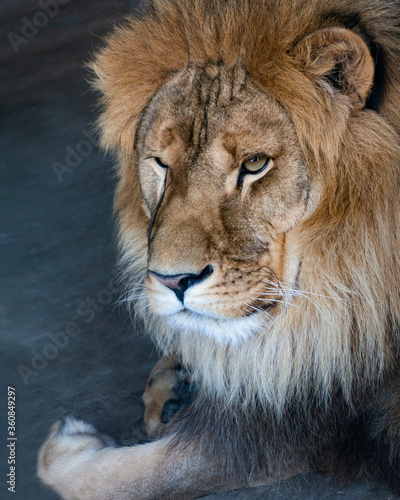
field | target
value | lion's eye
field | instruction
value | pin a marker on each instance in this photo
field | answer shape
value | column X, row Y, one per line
column 256, row 164
column 160, row 163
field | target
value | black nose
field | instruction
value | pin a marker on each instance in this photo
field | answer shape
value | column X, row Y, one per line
column 179, row 283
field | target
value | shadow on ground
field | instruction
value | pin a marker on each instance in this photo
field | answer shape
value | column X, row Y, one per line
column 66, row 348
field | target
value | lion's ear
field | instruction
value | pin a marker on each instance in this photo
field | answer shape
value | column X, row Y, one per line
column 339, row 58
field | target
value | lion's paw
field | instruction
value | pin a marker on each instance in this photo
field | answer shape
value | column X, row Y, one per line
column 168, row 391
column 67, row 442
column 70, row 426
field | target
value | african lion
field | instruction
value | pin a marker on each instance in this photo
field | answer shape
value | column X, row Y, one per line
column 258, row 202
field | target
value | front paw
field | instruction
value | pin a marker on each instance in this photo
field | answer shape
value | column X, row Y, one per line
column 168, row 392
column 69, row 443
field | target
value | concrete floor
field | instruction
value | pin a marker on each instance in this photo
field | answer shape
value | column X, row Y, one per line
column 66, row 348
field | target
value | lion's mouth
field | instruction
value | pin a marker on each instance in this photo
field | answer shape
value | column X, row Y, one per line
column 204, row 314
column 210, row 302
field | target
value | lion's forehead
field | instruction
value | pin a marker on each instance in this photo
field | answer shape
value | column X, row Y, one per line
column 202, row 104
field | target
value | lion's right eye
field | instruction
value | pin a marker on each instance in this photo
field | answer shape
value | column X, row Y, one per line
column 160, row 163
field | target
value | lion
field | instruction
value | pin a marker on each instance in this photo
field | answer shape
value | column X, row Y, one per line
column 259, row 221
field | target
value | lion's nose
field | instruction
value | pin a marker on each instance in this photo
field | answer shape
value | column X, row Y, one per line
column 179, row 283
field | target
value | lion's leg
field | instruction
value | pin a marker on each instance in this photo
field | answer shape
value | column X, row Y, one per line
column 168, row 391
column 80, row 464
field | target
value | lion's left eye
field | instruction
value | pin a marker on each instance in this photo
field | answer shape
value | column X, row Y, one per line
column 255, row 165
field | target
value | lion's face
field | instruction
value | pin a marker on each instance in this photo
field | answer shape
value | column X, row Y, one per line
column 224, row 184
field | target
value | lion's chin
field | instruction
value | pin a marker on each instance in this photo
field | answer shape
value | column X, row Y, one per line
column 195, row 319
column 226, row 331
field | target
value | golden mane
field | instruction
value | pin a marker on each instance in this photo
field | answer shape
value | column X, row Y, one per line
column 342, row 332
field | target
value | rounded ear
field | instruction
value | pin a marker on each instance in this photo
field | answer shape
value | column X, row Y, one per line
column 339, row 58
